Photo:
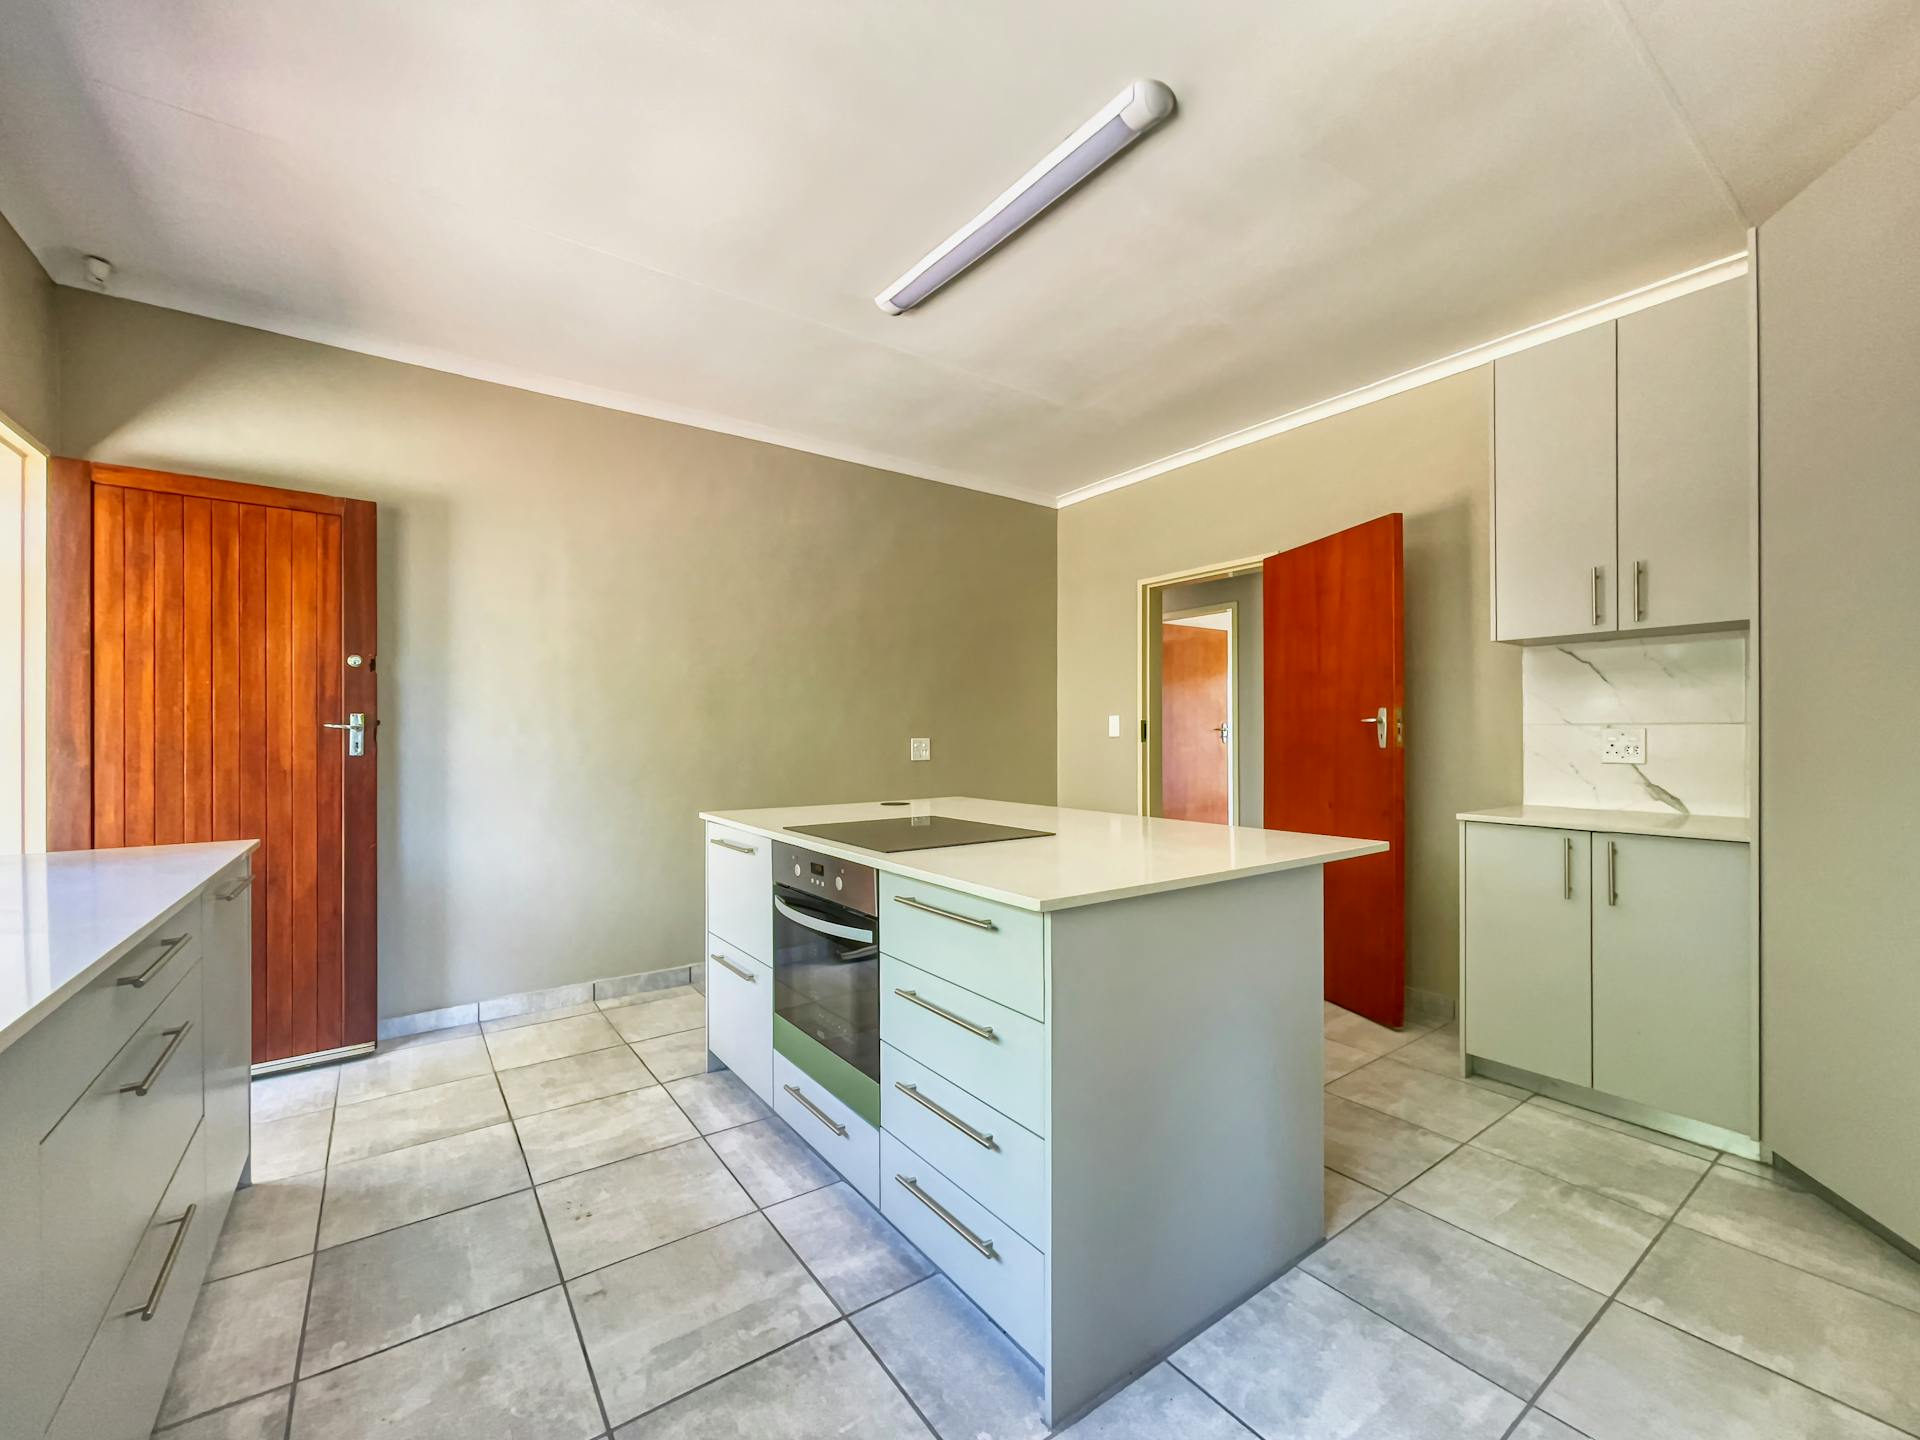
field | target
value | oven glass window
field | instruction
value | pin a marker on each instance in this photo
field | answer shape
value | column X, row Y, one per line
column 826, row 972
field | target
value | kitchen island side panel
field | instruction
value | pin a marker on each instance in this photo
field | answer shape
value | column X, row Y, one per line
column 1186, row 1142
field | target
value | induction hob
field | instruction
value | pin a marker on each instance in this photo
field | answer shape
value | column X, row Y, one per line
column 915, row 832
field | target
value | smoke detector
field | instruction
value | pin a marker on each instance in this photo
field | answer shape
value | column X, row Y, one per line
column 99, row 271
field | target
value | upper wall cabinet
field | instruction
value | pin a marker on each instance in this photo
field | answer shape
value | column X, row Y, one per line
column 1622, row 474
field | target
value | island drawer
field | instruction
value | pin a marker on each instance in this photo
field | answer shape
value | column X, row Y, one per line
column 1001, row 1164
column 989, row 1051
column 993, row 949
column 842, row 1138
column 740, row 1015
column 1000, row 1272
column 740, row 889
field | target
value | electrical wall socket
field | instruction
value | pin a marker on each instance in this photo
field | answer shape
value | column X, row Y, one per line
column 919, row 749
column 1623, row 746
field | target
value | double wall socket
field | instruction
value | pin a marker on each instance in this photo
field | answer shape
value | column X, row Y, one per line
column 919, row 749
column 1623, row 746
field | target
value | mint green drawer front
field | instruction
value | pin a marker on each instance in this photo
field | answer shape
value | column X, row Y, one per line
column 992, row 949
column 999, row 1163
column 1006, row 1067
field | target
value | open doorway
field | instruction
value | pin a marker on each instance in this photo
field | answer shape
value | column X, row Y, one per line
column 1203, row 696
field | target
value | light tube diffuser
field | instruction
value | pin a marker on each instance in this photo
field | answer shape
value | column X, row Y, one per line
column 1132, row 113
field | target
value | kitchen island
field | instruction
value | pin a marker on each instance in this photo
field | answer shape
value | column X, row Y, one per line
column 1081, row 1070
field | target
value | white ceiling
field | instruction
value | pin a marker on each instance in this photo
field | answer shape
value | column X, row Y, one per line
column 686, row 209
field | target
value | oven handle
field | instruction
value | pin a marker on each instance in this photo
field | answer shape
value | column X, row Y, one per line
column 822, row 927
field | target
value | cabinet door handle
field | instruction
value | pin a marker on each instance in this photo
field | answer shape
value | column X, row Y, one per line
column 1567, row 875
column 985, row 1032
column 1613, row 873
column 814, row 1110
column 152, row 1307
column 240, row 887
column 726, row 964
column 1639, row 589
column 985, row 1247
column 140, row 981
column 734, row 845
column 974, row 920
column 1599, row 594
column 147, row 1082
column 979, row 1137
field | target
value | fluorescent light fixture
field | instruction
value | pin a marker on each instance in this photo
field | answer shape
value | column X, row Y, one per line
column 1121, row 121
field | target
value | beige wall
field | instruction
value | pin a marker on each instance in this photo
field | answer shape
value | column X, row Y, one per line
column 27, row 362
column 1425, row 453
column 1840, row 675
column 595, row 624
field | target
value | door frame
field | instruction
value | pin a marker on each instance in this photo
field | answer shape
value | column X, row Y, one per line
column 1231, row 609
column 70, row 485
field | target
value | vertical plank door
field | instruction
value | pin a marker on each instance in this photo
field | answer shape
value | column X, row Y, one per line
column 1334, row 666
column 1193, row 710
column 204, row 654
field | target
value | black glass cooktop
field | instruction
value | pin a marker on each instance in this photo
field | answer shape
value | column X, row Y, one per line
column 915, row 832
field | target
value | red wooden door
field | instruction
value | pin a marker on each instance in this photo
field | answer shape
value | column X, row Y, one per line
column 1193, row 708
column 218, row 622
column 1333, row 661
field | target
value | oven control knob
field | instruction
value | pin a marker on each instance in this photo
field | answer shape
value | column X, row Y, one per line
column 839, row 882
column 796, row 870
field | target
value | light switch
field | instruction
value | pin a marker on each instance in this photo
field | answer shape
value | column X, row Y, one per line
column 1623, row 746
column 1113, row 727
column 919, row 749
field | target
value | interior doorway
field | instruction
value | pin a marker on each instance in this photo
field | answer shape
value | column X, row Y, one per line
column 1202, row 695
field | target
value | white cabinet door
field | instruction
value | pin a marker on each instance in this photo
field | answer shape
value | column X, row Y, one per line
column 227, row 1001
column 1527, row 964
column 1553, row 488
column 740, row 890
column 740, row 1015
column 1685, row 438
column 1673, row 977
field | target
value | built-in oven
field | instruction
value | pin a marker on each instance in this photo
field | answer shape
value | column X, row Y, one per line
column 826, row 973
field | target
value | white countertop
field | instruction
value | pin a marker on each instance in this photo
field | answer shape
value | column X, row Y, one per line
column 1091, row 856
column 66, row 918
column 1735, row 828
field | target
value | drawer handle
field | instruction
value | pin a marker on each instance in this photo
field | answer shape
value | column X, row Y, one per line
column 735, row 846
column 985, row 1032
column 726, row 964
column 814, row 1110
column 240, row 887
column 974, row 920
column 979, row 1137
column 152, row 1307
column 1566, row 872
column 1613, row 873
column 141, row 1087
column 140, row 981
column 985, row 1247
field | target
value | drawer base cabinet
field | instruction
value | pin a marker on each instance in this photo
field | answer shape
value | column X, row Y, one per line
column 1619, row 963
column 124, row 1130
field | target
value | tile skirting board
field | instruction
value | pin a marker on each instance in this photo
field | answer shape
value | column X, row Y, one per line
column 525, row 1002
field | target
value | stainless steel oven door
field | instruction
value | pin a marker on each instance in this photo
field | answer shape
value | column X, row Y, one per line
column 826, row 976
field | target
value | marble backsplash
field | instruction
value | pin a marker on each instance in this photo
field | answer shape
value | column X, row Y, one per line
column 1689, row 693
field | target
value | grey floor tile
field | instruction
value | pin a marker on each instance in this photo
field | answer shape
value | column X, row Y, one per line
column 631, row 1206
column 402, row 1186
column 1437, row 1052
column 549, row 1001
column 1635, row 1379
column 717, row 1100
column 1300, row 1361
column 673, row 1057
column 1622, row 1167
column 299, row 1092
column 549, row 1084
column 414, row 1117
column 966, row 1376
column 668, row 1015
column 515, row 1373
column 1507, row 1318
column 850, row 1249
column 549, row 1040
column 1346, row 1200
column 1363, row 1034
column 1802, row 1229
column 771, row 1161
column 436, row 1036
column 646, row 996
column 1447, row 1107
column 293, row 1146
column 1337, row 1060
column 1583, row 1236
column 1859, row 1350
column 1626, row 1127
column 524, row 1018
column 400, row 1284
column 241, row 1341
column 598, row 1132
column 1376, row 1149
column 676, row 1317
column 271, row 1221
column 827, row 1385
column 417, row 1066
column 1161, row 1405
column 1760, row 1168
column 262, row 1418
column 1538, row 1425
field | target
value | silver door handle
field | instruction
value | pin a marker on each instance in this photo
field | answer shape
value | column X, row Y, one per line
column 979, row 1137
column 974, row 920
column 146, row 1083
column 152, row 1307
column 140, row 981
column 1379, row 722
column 1567, row 878
column 1222, row 731
column 1599, row 594
column 985, row 1247
column 1613, row 873
column 240, row 887
column 727, row 964
column 985, row 1032
column 814, row 1110
column 356, row 727
column 733, row 845
column 1639, row 589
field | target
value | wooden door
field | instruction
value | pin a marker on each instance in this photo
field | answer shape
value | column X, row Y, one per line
column 198, row 649
column 1194, row 753
column 1333, row 662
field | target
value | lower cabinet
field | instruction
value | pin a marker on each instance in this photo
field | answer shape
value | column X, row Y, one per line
column 843, row 1139
column 740, row 1015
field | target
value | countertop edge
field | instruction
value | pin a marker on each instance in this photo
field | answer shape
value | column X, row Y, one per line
column 1722, row 829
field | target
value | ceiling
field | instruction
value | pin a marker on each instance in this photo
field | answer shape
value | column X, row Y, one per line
column 685, row 209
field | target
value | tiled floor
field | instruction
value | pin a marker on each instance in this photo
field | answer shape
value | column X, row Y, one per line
column 552, row 1227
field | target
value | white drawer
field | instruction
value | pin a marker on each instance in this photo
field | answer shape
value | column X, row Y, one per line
column 1000, row 1272
column 740, row 890
column 984, row 1048
column 1001, row 1164
column 992, row 949
column 844, row 1140
column 740, row 1015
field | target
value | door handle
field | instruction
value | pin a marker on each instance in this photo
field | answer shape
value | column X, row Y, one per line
column 1639, row 590
column 1379, row 722
column 1599, row 594
column 356, row 728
